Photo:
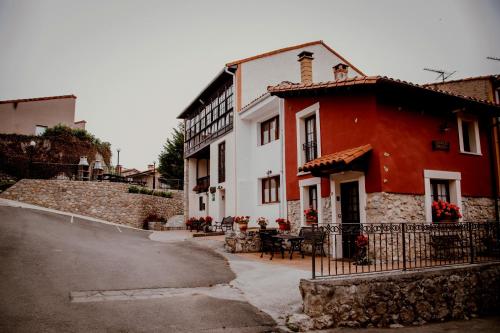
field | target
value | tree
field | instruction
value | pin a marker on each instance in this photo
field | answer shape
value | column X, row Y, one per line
column 172, row 157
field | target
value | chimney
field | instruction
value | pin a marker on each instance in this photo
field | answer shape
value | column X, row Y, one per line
column 305, row 59
column 150, row 167
column 340, row 71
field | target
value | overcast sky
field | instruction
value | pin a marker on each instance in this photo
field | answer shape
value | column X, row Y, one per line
column 135, row 65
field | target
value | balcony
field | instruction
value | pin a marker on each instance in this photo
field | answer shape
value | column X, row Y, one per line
column 202, row 184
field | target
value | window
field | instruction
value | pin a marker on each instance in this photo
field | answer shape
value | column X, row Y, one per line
column 270, row 189
column 468, row 133
column 440, row 190
column 269, row 130
column 313, row 197
column 201, row 203
column 39, row 129
column 310, row 136
column 222, row 162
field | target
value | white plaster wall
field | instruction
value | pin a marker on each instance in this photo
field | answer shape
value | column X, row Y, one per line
column 254, row 160
column 263, row 72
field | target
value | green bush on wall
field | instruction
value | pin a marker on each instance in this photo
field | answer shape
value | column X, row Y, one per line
column 144, row 190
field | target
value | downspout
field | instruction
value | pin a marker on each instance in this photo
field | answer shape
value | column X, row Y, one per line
column 493, row 166
column 226, row 69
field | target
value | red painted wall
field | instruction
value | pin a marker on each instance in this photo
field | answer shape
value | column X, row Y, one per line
column 406, row 135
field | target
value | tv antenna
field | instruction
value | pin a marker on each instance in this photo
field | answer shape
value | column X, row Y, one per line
column 493, row 58
column 442, row 74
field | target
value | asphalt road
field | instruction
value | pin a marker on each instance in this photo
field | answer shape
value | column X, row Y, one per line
column 44, row 257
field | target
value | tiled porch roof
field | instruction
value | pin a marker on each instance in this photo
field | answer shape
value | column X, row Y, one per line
column 341, row 158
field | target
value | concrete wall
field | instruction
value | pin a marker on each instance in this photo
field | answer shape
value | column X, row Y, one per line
column 107, row 201
column 401, row 298
column 23, row 117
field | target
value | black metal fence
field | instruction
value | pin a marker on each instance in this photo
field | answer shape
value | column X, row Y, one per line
column 365, row 248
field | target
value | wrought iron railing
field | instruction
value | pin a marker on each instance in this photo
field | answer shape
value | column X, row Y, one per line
column 370, row 247
column 310, row 149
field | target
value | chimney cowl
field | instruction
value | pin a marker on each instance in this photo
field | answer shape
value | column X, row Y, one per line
column 305, row 54
column 340, row 71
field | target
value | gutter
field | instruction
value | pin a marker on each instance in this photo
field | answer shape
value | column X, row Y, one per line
column 235, row 112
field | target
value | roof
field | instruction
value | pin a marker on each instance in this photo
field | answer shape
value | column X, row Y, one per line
column 285, row 88
column 472, row 78
column 290, row 48
column 36, row 99
column 338, row 159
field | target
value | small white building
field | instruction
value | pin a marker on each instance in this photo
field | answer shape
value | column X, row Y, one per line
column 233, row 141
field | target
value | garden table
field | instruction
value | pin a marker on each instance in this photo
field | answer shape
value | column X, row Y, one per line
column 295, row 242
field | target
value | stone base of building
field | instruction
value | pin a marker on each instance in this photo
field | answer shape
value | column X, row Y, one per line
column 242, row 242
column 402, row 298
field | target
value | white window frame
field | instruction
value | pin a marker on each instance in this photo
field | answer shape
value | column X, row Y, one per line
column 300, row 126
column 475, row 125
column 303, row 185
column 455, row 190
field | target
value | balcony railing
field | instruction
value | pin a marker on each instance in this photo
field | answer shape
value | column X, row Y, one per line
column 202, row 184
column 311, row 150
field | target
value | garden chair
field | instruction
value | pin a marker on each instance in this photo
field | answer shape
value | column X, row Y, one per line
column 270, row 244
column 224, row 225
column 313, row 238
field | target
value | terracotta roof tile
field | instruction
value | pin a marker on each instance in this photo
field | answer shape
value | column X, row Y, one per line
column 342, row 157
column 36, row 99
column 363, row 80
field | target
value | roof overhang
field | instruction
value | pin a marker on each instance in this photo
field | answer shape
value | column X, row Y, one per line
column 353, row 159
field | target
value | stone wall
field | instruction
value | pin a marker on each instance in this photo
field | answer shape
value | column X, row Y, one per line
column 103, row 200
column 478, row 209
column 326, row 210
column 390, row 207
column 294, row 214
column 401, row 298
column 245, row 242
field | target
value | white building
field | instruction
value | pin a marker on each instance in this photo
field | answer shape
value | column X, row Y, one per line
column 234, row 152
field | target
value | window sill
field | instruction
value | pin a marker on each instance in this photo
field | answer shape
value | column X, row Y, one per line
column 269, row 203
column 302, row 173
column 470, row 153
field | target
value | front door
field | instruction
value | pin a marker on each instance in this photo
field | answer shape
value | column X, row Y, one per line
column 349, row 203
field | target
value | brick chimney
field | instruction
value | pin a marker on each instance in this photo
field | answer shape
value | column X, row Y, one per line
column 305, row 59
column 340, row 71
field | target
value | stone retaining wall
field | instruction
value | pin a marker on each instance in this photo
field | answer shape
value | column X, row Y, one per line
column 401, row 298
column 103, row 200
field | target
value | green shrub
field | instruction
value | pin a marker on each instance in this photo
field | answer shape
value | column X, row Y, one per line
column 133, row 189
column 144, row 190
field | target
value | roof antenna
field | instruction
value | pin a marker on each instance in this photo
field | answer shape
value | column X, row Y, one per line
column 493, row 58
column 442, row 74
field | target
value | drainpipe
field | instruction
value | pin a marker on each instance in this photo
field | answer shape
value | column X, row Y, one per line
column 226, row 69
column 493, row 166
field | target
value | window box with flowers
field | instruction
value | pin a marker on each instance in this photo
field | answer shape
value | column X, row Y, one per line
column 242, row 222
column 283, row 224
column 445, row 212
column 311, row 216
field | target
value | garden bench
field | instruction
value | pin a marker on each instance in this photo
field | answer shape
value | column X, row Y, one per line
column 224, row 225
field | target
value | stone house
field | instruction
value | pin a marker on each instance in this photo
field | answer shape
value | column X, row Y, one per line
column 233, row 163
column 376, row 149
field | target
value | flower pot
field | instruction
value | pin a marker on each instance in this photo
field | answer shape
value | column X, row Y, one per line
column 283, row 226
column 243, row 227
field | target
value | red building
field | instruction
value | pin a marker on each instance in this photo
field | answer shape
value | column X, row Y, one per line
column 375, row 149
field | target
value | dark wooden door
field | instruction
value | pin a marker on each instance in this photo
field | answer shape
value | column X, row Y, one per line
column 349, row 202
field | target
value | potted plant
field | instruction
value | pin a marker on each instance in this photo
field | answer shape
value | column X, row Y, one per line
column 445, row 212
column 311, row 215
column 361, row 256
column 262, row 221
column 242, row 222
column 283, row 224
